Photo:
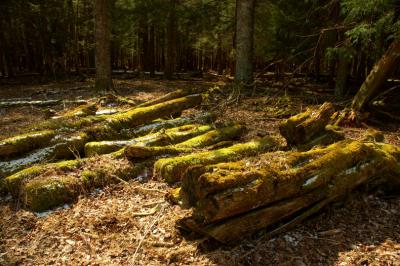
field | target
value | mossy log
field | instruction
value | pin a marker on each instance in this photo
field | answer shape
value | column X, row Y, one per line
column 172, row 95
column 41, row 103
column 42, row 187
column 212, row 137
column 106, row 133
column 302, row 128
column 234, row 199
column 173, row 169
column 165, row 137
column 60, row 147
column 24, row 143
column 128, row 119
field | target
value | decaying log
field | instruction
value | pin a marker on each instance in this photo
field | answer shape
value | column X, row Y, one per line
column 304, row 127
column 24, row 143
column 99, row 133
column 42, row 187
column 169, row 136
column 173, row 169
column 172, row 95
column 378, row 75
column 128, row 119
column 231, row 200
column 60, row 147
column 212, row 137
column 8, row 104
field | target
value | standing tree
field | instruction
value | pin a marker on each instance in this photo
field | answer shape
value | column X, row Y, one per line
column 244, row 40
column 103, row 51
column 170, row 64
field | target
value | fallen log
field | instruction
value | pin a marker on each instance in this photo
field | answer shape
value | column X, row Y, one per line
column 43, row 187
column 212, row 137
column 128, row 119
column 302, row 128
column 172, row 95
column 24, row 143
column 231, row 200
column 8, row 104
column 173, row 169
column 60, row 147
column 105, row 133
column 169, row 136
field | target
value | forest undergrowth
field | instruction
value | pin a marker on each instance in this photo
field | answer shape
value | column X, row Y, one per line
column 132, row 222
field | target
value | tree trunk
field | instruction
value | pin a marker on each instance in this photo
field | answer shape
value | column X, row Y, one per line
column 378, row 75
column 103, row 51
column 170, row 62
column 342, row 74
column 244, row 40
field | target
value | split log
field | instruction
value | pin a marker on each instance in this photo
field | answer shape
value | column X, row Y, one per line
column 302, row 128
column 212, row 137
column 60, row 147
column 105, row 133
column 173, row 169
column 166, row 137
column 231, row 200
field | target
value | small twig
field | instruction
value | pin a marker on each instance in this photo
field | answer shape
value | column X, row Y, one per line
column 146, row 233
column 149, row 212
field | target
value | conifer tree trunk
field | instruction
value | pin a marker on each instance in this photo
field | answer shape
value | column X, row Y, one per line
column 170, row 62
column 378, row 75
column 103, row 51
column 244, row 40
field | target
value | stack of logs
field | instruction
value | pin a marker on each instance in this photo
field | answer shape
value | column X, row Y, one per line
column 234, row 189
column 279, row 189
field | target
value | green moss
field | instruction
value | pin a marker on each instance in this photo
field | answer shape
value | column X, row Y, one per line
column 44, row 194
column 165, row 137
column 172, row 169
column 15, row 181
column 26, row 142
column 142, row 115
column 213, row 137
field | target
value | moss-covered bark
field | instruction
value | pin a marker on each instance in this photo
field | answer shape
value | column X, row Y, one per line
column 60, row 147
column 232, row 199
column 212, row 137
column 131, row 118
column 24, row 143
column 378, row 75
column 100, row 132
column 142, row 115
column 173, row 169
column 302, row 128
column 42, row 187
column 165, row 137
column 172, row 95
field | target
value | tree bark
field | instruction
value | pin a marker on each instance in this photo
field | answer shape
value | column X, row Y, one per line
column 173, row 169
column 304, row 127
column 230, row 200
column 244, row 40
column 378, row 75
column 103, row 51
column 170, row 62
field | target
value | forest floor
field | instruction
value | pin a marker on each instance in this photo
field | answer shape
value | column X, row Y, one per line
column 132, row 224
